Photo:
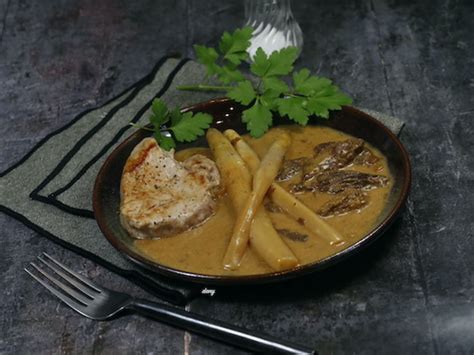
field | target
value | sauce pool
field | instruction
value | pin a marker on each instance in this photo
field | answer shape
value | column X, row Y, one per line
column 201, row 249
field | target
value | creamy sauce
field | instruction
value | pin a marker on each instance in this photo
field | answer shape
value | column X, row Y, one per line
column 201, row 250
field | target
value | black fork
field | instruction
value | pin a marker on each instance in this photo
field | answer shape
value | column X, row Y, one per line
column 100, row 303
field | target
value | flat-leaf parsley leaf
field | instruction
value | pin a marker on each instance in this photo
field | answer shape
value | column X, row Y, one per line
column 169, row 126
column 306, row 97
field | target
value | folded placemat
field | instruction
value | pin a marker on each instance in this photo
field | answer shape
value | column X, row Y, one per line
column 50, row 189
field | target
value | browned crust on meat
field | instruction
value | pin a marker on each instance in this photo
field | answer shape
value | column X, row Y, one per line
column 136, row 161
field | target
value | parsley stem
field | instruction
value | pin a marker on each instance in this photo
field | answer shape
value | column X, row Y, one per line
column 161, row 130
column 202, row 87
column 141, row 127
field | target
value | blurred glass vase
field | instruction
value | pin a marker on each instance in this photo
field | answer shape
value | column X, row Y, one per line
column 274, row 25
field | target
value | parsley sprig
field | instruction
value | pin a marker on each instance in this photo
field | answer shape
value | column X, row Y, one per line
column 169, row 126
column 277, row 88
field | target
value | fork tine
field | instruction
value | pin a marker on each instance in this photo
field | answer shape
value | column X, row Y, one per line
column 79, row 307
column 73, row 281
column 83, row 279
column 71, row 292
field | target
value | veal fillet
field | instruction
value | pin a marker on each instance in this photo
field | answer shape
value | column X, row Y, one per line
column 160, row 196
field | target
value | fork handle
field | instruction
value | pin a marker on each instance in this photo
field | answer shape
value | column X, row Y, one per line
column 212, row 328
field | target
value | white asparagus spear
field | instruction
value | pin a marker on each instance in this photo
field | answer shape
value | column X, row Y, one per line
column 237, row 181
column 290, row 204
column 262, row 180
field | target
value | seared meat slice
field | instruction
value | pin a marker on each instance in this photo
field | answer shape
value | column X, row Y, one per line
column 346, row 202
column 160, row 196
column 341, row 180
column 203, row 169
column 333, row 155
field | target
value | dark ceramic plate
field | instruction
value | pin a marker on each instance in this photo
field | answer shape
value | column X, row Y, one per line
column 226, row 114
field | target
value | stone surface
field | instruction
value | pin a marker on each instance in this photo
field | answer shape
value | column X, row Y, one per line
column 411, row 292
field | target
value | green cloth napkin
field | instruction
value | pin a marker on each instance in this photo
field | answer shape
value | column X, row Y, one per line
column 50, row 189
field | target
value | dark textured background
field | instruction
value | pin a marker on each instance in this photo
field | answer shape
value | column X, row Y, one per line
column 412, row 292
